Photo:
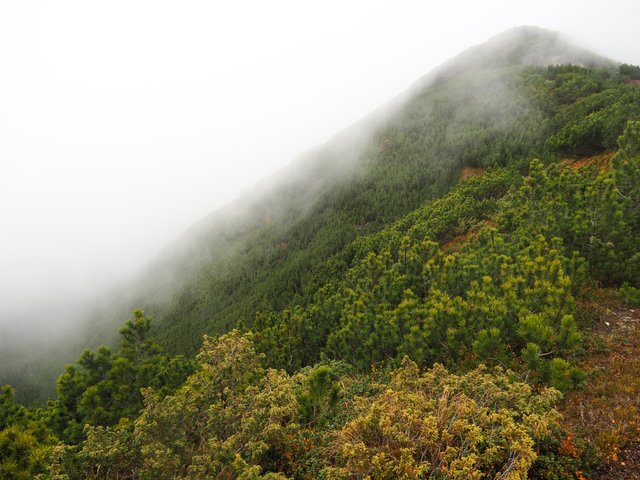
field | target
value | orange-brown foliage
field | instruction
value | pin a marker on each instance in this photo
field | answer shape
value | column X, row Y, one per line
column 601, row 162
column 459, row 241
column 467, row 172
column 567, row 447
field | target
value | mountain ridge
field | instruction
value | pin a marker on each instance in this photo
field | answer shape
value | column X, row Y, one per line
column 461, row 272
column 493, row 55
column 327, row 204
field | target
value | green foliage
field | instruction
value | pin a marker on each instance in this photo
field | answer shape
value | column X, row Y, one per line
column 505, row 298
column 346, row 282
column 631, row 72
column 407, row 296
column 235, row 419
column 630, row 294
column 230, row 419
column 297, row 237
column 25, row 446
column 596, row 215
column 629, row 141
column 489, row 299
column 439, row 425
column 285, row 258
column 296, row 337
column 318, row 395
column 10, row 411
column 25, row 442
column 104, row 387
column 572, row 82
column 596, row 111
column 24, row 451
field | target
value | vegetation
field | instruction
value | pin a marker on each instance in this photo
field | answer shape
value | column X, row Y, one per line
column 403, row 323
column 234, row 419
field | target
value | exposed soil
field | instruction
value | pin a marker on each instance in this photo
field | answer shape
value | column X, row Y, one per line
column 601, row 162
column 467, row 172
column 606, row 413
column 627, row 466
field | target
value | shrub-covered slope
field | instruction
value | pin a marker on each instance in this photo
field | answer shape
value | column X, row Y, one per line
column 292, row 234
column 271, row 250
column 417, row 313
column 502, row 294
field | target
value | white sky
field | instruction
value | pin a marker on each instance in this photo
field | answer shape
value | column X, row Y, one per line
column 124, row 122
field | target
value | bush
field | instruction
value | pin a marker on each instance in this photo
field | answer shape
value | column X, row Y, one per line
column 437, row 424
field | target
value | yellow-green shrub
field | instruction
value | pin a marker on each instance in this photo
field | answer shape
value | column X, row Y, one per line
column 444, row 426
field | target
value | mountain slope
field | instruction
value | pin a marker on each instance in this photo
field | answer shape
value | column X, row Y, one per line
column 271, row 251
column 413, row 313
column 281, row 242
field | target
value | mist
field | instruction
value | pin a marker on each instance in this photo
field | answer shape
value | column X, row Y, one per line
column 123, row 124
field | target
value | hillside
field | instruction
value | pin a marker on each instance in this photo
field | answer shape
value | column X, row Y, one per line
column 283, row 240
column 418, row 298
column 271, row 249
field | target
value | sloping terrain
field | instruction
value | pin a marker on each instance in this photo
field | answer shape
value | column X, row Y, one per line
column 475, row 111
column 484, row 108
column 420, row 298
column 606, row 413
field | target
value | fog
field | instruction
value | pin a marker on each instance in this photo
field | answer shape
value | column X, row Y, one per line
column 122, row 123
